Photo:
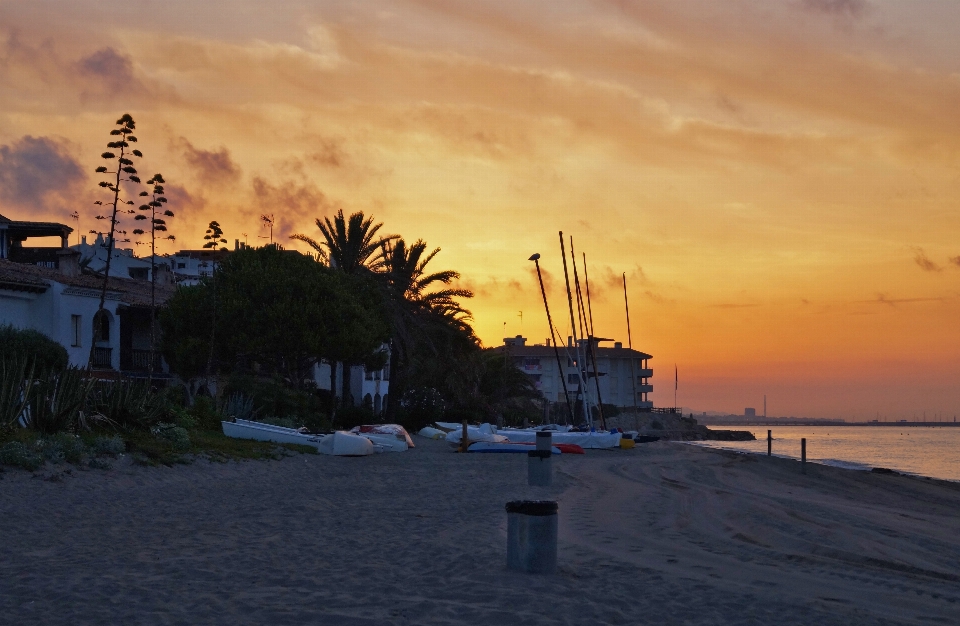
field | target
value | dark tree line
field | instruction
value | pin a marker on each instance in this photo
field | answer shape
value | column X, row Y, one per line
column 363, row 299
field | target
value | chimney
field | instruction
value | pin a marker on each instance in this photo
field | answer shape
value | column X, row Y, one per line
column 84, row 239
column 164, row 275
column 68, row 262
column 547, row 342
column 569, row 341
column 618, row 344
column 236, row 244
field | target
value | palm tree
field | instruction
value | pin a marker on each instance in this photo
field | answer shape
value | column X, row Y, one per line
column 350, row 245
column 420, row 314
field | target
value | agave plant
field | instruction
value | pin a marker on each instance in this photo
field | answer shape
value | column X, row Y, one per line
column 59, row 401
column 16, row 384
column 127, row 404
column 237, row 406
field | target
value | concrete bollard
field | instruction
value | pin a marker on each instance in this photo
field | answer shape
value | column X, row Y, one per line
column 532, row 536
column 769, row 442
column 803, row 456
column 540, row 462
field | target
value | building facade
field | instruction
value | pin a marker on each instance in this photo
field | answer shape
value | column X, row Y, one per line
column 44, row 289
column 623, row 374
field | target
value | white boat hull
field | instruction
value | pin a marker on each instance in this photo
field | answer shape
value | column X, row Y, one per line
column 243, row 429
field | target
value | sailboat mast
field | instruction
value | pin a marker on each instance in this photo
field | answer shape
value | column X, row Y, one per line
column 573, row 322
column 585, row 364
column 591, row 343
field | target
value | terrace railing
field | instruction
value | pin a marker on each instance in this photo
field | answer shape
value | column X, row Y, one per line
column 102, row 358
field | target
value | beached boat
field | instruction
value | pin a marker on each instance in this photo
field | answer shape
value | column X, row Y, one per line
column 506, row 448
column 474, row 434
column 431, row 433
column 394, row 435
column 342, row 443
column 584, row 440
column 258, row 431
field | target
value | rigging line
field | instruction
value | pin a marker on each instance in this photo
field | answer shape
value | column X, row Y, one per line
column 582, row 315
column 586, row 278
column 573, row 323
column 576, row 282
column 593, row 347
column 633, row 371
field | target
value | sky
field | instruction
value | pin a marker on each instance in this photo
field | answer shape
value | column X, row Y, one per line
column 778, row 181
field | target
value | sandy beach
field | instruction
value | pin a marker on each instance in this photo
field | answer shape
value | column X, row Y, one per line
column 663, row 534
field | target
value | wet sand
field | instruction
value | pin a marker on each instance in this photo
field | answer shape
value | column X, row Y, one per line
column 666, row 533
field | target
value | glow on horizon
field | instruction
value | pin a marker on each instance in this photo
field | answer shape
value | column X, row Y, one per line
column 779, row 181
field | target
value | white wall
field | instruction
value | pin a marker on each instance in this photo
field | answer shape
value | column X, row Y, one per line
column 50, row 313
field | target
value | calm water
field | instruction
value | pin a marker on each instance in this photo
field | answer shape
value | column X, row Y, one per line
column 931, row 452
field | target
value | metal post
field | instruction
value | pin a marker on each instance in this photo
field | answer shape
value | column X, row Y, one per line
column 803, row 456
column 540, row 461
column 769, row 442
column 532, row 536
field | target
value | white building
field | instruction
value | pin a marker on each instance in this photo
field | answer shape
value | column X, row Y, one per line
column 62, row 303
column 621, row 371
column 367, row 388
column 124, row 264
column 43, row 288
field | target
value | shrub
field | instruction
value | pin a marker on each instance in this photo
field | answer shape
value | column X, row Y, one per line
column 285, row 422
column 271, row 397
column 128, row 404
column 108, row 446
column 237, row 406
column 62, row 447
column 177, row 437
column 58, row 401
column 18, row 455
column 182, row 418
column 96, row 463
column 424, row 405
column 46, row 354
column 656, row 425
column 16, row 385
column 205, row 414
column 350, row 416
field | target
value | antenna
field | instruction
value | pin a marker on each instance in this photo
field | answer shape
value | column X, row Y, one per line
column 268, row 221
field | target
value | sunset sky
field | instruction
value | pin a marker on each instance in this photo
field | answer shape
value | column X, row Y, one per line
column 779, row 180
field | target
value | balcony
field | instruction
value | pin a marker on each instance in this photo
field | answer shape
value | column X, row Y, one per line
column 102, row 358
column 139, row 361
column 645, row 373
column 644, row 388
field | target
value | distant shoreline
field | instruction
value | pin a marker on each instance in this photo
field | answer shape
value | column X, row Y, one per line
column 831, row 424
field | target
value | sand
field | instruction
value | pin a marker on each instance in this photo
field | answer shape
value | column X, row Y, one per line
column 664, row 534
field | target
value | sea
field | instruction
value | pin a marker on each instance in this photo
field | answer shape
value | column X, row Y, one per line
column 924, row 451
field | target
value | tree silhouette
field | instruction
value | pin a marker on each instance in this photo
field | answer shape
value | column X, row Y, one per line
column 124, row 172
column 157, row 224
column 350, row 245
column 423, row 316
column 214, row 236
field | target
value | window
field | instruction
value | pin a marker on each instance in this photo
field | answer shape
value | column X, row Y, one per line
column 75, row 330
column 181, row 266
column 101, row 327
column 573, row 379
